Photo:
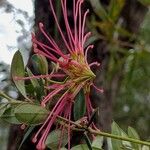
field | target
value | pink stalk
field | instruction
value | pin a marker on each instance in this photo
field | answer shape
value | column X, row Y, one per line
column 50, row 115
column 80, row 28
column 70, row 36
column 61, row 137
column 49, row 38
column 99, row 90
column 83, row 26
column 86, row 51
column 50, row 56
column 69, row 129
column 50, row 95
column 57, row 85
column 40, row 76
column 86, row 36
column 88, row 105
column 57, row 51
column 94, row 64
column 41, row 143
column 60, row 30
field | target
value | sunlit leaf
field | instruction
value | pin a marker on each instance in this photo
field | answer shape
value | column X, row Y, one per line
column 133, row 134
column 145, row 147
column 116, row 144
column 98, row 142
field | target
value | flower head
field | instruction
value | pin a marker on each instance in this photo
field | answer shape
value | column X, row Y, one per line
column 73, row 66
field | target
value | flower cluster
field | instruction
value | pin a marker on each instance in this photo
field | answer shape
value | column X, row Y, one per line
column 73, row 68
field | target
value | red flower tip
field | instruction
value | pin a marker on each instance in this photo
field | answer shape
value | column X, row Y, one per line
column 41, row 25
column 34, row 140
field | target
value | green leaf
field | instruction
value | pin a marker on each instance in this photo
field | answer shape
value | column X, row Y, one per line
column 133, row 134
column 109, row 143
column 17, row 70
column 145, row 148
column 126, row 144
column 30, row 114
column 98, row 142
column 116, row 144
column 119, row 143
column 80, row 147
column 79, row 105
column 57, row 137
column 99, row 9
column 33, row 81
column 145, row 2
column 3, row 107
column 37, row 87
column 9, row 116
column 40, row 64
column 63, row 148
column 115, row 8
column 30, row 129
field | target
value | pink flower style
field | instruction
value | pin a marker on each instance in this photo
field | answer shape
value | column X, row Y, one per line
column 74, row 67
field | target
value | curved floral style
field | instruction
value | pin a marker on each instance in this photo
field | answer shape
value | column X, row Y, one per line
column 73, row 69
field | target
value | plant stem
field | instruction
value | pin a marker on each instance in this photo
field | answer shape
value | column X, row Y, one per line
column 118, row 137
column 2, row 94
column 98, row 132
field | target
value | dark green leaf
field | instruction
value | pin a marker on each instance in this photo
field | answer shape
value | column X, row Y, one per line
column 30, row 129
column 30, row 114
column 92, row 117
column 17, row 70
column 33, row 81
column 37, row 86
column 115, row 8
column 99, row 9
column 88, row 142
column 57, row 137
column 79, row 105
column 40, row 64
column 145, row 2
column 80, row 147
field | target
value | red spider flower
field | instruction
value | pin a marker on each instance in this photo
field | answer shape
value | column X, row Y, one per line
column 74, row 67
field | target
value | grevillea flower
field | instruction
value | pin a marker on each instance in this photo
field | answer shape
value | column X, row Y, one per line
column 73, row 65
